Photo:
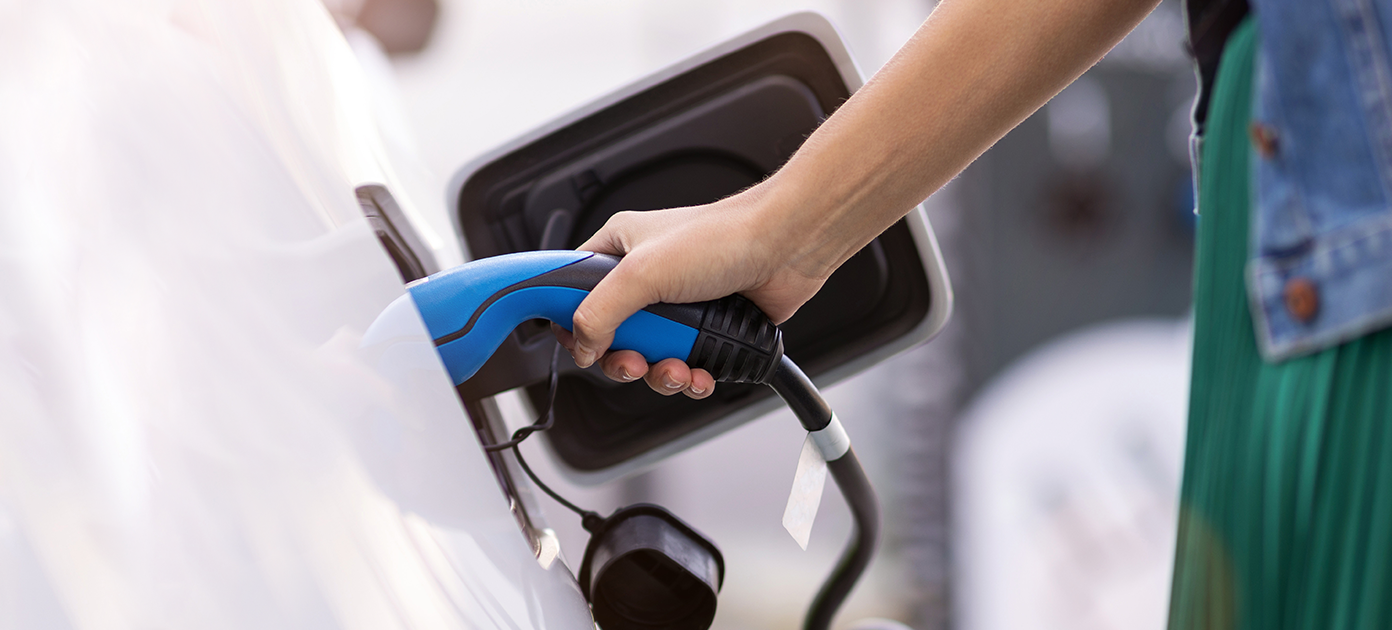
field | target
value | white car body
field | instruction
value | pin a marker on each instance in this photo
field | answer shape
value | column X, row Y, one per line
column 193, row 431
column 191, row 435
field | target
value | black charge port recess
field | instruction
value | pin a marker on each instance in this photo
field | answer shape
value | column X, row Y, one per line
column 695, row 138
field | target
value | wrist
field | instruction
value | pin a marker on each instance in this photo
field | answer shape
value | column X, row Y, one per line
column 781, row 226
column 809, row 223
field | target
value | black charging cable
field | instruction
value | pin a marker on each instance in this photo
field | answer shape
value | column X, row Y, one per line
column 545, row 420
column 816, row 416
column 801, row 395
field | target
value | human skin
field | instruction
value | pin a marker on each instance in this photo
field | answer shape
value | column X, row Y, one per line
column 973, row 71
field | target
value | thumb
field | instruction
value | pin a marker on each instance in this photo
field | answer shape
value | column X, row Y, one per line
column 619, row 295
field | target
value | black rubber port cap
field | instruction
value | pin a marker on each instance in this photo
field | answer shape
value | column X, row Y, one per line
column 646, row 569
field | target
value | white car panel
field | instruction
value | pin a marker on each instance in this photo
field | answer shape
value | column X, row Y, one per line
column 193, row 433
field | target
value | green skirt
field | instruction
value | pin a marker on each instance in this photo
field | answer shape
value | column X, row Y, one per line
column 1286, row 507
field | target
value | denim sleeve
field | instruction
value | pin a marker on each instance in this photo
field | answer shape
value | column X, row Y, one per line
column 1320, row 271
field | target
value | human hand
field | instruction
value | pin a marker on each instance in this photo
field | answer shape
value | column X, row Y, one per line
column 681, row 255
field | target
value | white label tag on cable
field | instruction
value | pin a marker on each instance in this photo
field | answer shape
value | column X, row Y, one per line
column 806, row 497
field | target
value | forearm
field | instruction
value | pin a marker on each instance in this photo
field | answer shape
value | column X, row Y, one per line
column 973, row 71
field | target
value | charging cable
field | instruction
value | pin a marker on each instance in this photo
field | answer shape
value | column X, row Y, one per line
column 815, row 415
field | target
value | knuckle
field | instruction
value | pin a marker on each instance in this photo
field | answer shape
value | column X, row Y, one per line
column 622, row 216
column 586, row 321
column 638, row 273
column 625, row 230
column 616, row 223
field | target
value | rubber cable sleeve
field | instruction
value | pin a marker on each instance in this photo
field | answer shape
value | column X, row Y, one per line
column 855, row 487
column 798, row 391
column 801, row 395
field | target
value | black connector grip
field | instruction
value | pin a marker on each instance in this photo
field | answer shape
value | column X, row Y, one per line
column 737, row 342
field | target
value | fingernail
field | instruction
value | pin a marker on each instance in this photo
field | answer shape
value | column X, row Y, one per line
column 697, row 389
column 583, row 356
column 670, row 383
column 625, row 376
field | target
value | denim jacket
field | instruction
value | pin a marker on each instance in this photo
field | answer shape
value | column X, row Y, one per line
column 1320, row 268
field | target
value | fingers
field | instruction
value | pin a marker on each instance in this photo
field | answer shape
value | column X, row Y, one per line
column 672, row 376
column 616, row 297
column 623, row 366
column 659, row 260
column 619, row 295
column 667, row 377
column 564, row 337
column 702, row 384
column 613, row 236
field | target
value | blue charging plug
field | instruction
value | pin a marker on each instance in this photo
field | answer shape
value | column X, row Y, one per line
column 469, row 310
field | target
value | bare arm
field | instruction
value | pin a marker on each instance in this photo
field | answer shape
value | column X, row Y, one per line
column 971, row 72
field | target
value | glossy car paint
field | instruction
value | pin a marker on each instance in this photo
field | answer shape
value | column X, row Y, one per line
column 193, row 431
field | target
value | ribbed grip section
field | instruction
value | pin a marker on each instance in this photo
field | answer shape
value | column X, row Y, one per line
column 737, row 343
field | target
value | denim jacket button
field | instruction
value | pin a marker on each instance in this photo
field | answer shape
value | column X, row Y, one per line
column 1302, row 299
column 1264, row 139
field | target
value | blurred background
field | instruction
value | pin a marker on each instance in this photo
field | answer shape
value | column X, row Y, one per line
column 1028, row 459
